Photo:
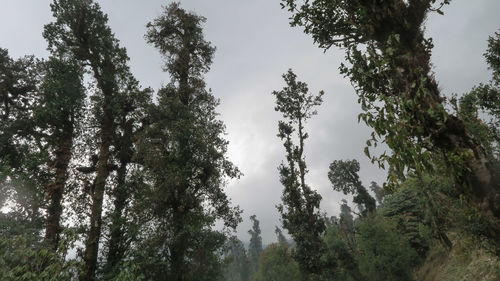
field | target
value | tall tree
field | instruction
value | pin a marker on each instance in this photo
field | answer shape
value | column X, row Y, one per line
column 389, row 66
column 42, row 101
column 185, row 154
column 56, row 115
column 344, row 177
column 132, row 120
column 81, row 28
column 300, row 209
column 255, row 246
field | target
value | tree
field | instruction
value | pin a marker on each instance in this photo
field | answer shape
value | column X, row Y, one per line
column 132, row 119
column 379, row 192
column 81, row 29
column 238, row 268
column 480, row 108
column 47, row 107
column 340, row 263
column 57, row 116
column 280, row 236
column 23, row 157
column 413, row 214
column 299, row 210
column 255, row 246
column 384, row 254
column 389, row 66
column 344, row 177
column 347, row 228
column 184, row 152
column 21, row 260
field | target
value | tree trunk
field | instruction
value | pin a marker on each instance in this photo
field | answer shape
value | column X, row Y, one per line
column 55, row 189
column 92, row 243
column 302, row 170
column 476, row 178
column 116, row 247
column 115, row 250
column 179, row 245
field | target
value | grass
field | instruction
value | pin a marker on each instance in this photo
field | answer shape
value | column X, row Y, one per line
column 467, row 261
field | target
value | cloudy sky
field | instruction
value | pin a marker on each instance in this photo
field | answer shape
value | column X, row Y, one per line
column 255, row 46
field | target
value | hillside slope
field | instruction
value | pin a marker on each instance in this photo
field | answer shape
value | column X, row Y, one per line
column 467, row 261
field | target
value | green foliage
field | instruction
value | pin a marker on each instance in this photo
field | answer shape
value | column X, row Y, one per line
column 339, row 262
column 391, row 80
column 22, row 259
column 163, row 34
column 408, row 210
column 493, row 57
column 23, row 153
column 238, row 267
column 129, row 271
column 384, row 254
column 480, row 108
column 11, row 224
column 276, row 263
column 388, row 61
column 62, row 96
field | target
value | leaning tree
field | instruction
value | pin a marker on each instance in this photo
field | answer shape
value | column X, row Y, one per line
column 388, row 62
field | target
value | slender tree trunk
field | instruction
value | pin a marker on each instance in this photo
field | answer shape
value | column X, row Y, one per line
column 179, row 246
column 302, row 171
column 55, row 189
column 116, row 250
column 476, row 180
column 92, row 243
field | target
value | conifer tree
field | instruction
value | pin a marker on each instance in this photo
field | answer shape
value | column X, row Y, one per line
column 255, row 246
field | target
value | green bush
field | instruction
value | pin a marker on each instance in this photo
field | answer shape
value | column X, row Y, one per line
column 22, row 260
column 277, row 264
column 385, row 255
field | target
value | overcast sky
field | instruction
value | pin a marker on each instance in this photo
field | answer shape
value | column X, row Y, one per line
column 255, row 46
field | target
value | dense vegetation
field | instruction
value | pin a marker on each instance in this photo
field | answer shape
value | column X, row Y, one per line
column 106, row 180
